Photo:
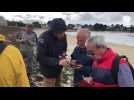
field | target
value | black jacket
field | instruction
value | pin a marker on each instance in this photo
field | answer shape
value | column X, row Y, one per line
column 48, row 50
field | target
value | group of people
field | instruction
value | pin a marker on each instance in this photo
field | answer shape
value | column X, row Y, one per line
column 92, row 60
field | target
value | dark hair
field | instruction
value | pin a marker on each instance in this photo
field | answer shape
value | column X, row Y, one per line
column 48, row 23
column 57, row 25
column 29, row 26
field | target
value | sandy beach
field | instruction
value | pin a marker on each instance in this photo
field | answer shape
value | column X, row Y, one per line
column 121, row 49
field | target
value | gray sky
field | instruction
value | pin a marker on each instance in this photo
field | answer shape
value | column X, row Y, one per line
column 125, row 18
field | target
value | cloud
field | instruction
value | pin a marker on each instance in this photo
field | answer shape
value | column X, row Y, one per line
column 104, row 17
column 95, row 17
column 71, row 17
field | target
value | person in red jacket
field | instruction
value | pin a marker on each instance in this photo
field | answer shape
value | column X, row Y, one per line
column 101, row 75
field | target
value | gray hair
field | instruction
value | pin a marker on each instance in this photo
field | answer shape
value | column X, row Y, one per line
column 99, row 41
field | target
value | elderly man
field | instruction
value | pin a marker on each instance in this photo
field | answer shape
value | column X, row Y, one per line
column 80, row 56
column 104, row 56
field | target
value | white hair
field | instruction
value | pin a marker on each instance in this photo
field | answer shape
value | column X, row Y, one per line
column 99, row 41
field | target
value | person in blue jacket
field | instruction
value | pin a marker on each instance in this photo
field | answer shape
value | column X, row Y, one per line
column 80, row 55
column 51, row 45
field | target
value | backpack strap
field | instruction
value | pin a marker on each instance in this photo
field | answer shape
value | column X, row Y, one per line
column 2, row 47
column 130, row 65
column 115, row 67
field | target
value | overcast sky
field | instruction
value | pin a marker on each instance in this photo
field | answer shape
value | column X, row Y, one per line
column 125, row 18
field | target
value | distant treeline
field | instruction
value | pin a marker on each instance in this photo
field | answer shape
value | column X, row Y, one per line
column 95, row 27
column 21, row 24
column 102, row 27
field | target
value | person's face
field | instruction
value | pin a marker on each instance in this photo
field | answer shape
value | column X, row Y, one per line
column 96, row 53
column 81, row 41
column 60, row 35
column 29, row 29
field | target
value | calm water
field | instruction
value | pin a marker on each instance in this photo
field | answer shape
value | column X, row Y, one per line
column 111, row 37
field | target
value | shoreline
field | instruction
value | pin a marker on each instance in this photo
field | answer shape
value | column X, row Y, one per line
column 114, row 32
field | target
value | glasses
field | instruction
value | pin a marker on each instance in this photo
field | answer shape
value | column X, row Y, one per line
column 90, row 53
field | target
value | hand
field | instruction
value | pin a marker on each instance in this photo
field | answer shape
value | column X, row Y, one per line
column 63, row 62
column 63, row 55
column 77, row 66
column 8, row 41
column 89, row 80
column 21, row 41
column 74, row 64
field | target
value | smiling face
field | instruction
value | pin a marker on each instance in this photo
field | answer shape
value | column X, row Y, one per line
column 81, row 39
